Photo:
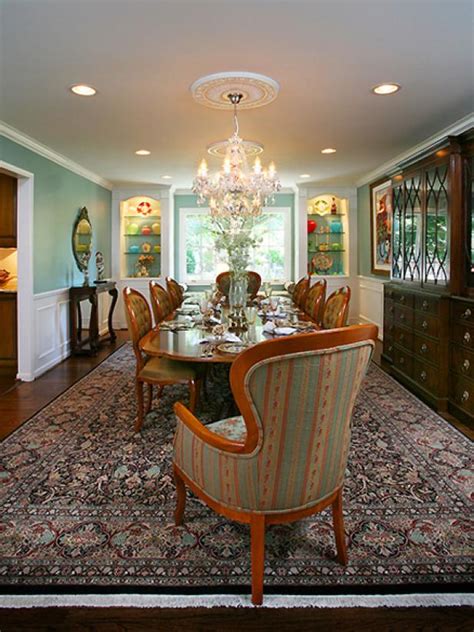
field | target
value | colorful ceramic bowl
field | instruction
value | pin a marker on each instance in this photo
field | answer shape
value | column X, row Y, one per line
column 134, row 249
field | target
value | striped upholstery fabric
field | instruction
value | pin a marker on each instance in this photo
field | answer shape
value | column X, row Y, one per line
column 303, row 404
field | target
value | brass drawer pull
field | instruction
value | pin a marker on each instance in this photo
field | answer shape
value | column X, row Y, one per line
column 465, row 396
column 390, row 309
column 425, row 305
column 423, row 348
column 467, row 313
column 402, row 299
column 402, row 337
column 423, row 376
column 467, row 337
column 402, row 360
column 390, row 349
column 466, row 365
column 424, row 325
column 402, row 316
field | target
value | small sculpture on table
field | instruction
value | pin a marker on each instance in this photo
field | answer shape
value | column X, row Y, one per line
column 84, row 261
column 100, row 267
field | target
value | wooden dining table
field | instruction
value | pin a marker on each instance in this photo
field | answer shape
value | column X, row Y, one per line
column 187, row 344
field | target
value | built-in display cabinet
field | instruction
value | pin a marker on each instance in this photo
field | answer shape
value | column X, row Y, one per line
column 429, row 302
column 142, row 240
column 326, row 222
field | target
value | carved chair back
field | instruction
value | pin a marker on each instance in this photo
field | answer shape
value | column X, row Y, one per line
column 175, row 291
column 336, row 309
column 254, row 281
column 315, row 298
column 160, row 302
column 139, row 321
column 300, row 292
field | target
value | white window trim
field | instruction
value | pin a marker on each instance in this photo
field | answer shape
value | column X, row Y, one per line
column 184, row 212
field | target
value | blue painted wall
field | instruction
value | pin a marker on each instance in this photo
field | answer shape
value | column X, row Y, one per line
column 58, row 196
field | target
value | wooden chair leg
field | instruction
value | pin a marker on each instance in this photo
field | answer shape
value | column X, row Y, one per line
column 194, row 394
column 140, row 405
column 338, row 520
column 150, row 398
column 257, row 545
column 180, row 499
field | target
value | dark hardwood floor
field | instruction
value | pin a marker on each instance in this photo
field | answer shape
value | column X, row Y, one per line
column 237, row 619
column 21, row 400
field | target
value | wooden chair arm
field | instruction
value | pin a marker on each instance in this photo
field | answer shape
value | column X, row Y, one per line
column 203, row 433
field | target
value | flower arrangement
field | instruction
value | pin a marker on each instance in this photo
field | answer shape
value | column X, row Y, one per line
column 143, row 265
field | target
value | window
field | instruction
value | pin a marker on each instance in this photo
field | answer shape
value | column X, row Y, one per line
column 201, row 261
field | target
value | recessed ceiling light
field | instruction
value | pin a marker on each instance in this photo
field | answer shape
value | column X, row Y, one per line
column 328, row 150
column 143, row 152
column 305, row 175
column 83, row 90
column 386, row 88
column 166, row 177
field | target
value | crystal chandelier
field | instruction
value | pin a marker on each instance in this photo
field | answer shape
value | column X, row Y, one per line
column 236, row 191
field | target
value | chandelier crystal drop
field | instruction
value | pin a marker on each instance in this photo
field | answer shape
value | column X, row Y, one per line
column 236, row 190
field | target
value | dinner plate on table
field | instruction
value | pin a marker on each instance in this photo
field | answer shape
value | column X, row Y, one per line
column 284, row 331
column 232, row 347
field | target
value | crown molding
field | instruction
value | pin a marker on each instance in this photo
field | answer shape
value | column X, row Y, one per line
column 460, row 126
column 30, row 143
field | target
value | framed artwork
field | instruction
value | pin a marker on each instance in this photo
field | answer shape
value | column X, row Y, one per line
column 381, row 227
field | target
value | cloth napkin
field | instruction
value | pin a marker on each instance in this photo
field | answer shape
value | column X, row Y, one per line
column 228, row 337
column 270, row 328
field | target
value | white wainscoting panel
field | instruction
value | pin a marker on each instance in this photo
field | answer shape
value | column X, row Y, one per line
column 371, row 301
column 51, row 313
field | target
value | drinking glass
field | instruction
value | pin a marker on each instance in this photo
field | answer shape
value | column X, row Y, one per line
column 267, row 289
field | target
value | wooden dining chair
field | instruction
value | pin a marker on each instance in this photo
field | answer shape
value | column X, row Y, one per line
column 153, row 371
column 315, row 298
column 160, row 302
column 285, row 457
column 336, row 309
column 300, row 291
column 175, row 291
column 254, row 281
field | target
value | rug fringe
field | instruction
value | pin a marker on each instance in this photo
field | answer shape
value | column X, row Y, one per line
column 239, row 601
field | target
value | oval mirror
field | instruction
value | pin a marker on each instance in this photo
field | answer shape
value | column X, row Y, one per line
column 82, row 239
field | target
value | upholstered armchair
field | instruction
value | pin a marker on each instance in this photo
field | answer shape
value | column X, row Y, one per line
column 160, row 302
column 300, row 291
column 315, row 298
column 175, row 292
column 153, row 371
column 336, row 309
column 253, row 283
column 285, row 457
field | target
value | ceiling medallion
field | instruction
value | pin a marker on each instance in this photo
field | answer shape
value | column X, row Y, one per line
column 250, row 147
column 256, row 90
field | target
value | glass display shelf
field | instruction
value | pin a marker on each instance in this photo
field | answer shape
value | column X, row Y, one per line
column 128, row 252
column 326, row 215
column 324, row 251
column 140, row 235
column 148, row 217
column 315, row 234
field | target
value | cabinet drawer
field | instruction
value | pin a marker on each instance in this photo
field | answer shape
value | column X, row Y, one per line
column 429, row 304
column 388, row 292
column 388, row 347
column 462, row 393
column 402, row 360
column 388, row 330
column 403, row 298
column 388, row 308
column 462, row 312
column 426, row 375
column 403, row 338
column 403, row 316
column 462, row 361
column 426, row 348
column 462, row 335
column 426, row 324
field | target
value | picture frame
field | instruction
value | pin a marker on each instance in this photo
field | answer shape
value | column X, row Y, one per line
column 381, row 212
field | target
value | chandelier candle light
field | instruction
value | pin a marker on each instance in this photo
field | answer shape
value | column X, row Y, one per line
column 236, row 190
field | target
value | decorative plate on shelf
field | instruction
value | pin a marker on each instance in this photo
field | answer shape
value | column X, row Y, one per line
column 146, row 247
column 4, row 276
column 321, row 207
column 321, row 261
column 144, row 208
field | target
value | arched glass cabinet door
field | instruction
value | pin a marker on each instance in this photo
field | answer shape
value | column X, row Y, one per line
column 436, row 259
column 82, row 240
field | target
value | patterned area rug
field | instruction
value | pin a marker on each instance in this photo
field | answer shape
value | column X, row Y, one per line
column 86, row 502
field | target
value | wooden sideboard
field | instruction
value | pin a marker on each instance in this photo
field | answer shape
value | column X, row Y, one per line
column 88, row 340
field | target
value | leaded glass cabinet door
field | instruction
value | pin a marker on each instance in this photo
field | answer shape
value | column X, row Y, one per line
column 412, row 229
column 397, row 232
column 436, row 250
column 469, row 219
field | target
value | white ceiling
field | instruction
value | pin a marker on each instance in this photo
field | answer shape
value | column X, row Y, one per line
column 142, row 56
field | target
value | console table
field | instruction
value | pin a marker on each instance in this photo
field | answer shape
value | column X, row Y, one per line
column 90, row 344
